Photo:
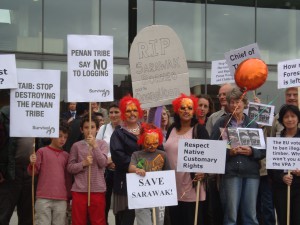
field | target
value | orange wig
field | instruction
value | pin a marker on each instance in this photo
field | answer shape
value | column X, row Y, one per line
column 127, row 100
column 177, row 102
column 148, row 128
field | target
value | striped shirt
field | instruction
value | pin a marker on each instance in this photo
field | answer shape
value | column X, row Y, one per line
column 78, row 154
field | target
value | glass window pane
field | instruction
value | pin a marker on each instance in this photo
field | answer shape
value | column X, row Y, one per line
column 21, row 25
column 114, row 22
column 188, row 21
column 278, row 30
column 63, row 17
column 229, row 27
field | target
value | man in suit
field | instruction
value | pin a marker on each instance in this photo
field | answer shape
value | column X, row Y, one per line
column 70, row 115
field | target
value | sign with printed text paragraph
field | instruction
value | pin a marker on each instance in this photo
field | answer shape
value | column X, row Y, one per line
column 34, row 105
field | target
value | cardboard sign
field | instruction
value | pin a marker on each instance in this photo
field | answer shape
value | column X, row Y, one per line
column 8, row 72
column 158, row 66
column 289, row 73
column 283, row 153
column 154, row 190
column 205, row 156
column 34, row 105
column 220, row 73
column 235, row 57
column 90, row 68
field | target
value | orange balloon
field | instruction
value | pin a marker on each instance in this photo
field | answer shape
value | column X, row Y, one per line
column 251, row 74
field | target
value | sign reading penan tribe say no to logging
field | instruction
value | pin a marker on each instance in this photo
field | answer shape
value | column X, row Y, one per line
column 90, row 68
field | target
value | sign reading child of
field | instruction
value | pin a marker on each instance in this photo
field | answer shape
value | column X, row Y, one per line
column 283, row 153
column 8, row 72
column 235, row 57
column 154, row 190
column 289, row 73
column 220, row 73
column 90, row 68
column 34, row 105
column 206, row 156
column 158, row 66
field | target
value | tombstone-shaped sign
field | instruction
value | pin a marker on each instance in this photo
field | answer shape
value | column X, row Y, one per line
column 158, row 66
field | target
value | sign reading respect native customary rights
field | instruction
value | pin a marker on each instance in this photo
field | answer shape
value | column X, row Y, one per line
column 205, row 156
column 158, row 66
column 34, row 105
column 289, row 73
column 283, row 153
column 236, row 56
column 90, row 68
column 153, row 190
column 8, row 72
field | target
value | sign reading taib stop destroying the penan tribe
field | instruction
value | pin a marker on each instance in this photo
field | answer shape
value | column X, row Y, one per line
column 34, row 105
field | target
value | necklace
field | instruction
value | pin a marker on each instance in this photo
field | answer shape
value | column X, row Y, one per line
column 134, row 130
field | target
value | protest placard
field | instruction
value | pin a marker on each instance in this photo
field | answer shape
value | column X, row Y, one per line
column 8, row 72
column 235, row 57
column 262, row 114
column 90, row 68
column 220, row 73
column 283, row 153
column 289, row 73
column 158, row 66
column 205, row 156
column 154, row 190
column 34, row 105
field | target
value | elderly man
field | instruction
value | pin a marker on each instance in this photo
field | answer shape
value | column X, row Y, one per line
column 225, row 88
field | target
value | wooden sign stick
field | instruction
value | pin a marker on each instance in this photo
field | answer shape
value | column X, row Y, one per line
column 197, row 202
column 89, row 175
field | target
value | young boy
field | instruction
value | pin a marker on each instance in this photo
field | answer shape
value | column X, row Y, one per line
column 85, row 153
column 149, row 159
column 54, row 183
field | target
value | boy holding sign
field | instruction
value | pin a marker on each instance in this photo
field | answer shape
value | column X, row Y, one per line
column 54, row 183
column 85, row 153
column 147, row 160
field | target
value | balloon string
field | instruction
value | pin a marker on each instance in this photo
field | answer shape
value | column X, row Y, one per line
column 241, row 98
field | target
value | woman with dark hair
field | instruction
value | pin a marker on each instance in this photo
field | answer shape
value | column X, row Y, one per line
column 289, row 117
column 185, row 126
column 205, row 108
column 123, row 143
column 241, row 179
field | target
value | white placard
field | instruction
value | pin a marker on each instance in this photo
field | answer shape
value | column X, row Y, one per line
column 90, row 68
column 283, row 153
column 220, row 73
column 289, row 73
column 235, row 57
column 8, row 72
column 34, row 105
column 262, row 114
column 154, row 190
column 206, row 156
column 158, row 66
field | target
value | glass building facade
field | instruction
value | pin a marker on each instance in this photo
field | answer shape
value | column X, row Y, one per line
column 36, row 32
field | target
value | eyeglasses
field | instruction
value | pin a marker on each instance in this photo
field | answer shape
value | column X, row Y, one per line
column 221, row 95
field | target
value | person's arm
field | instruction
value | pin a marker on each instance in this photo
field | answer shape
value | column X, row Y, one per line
column 35, row 159
column 74, row 166
column 118, row 153
column 100, row 153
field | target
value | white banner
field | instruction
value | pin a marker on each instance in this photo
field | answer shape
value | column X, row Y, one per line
column 289, row 73
column 34, row 105
column 158, row 66
column 235, row 57
column 154, row 190
column 262, row 114
column 220, row 73
column 205, row 156
column 8, row 72
column 283, row 153
column 90, row 68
